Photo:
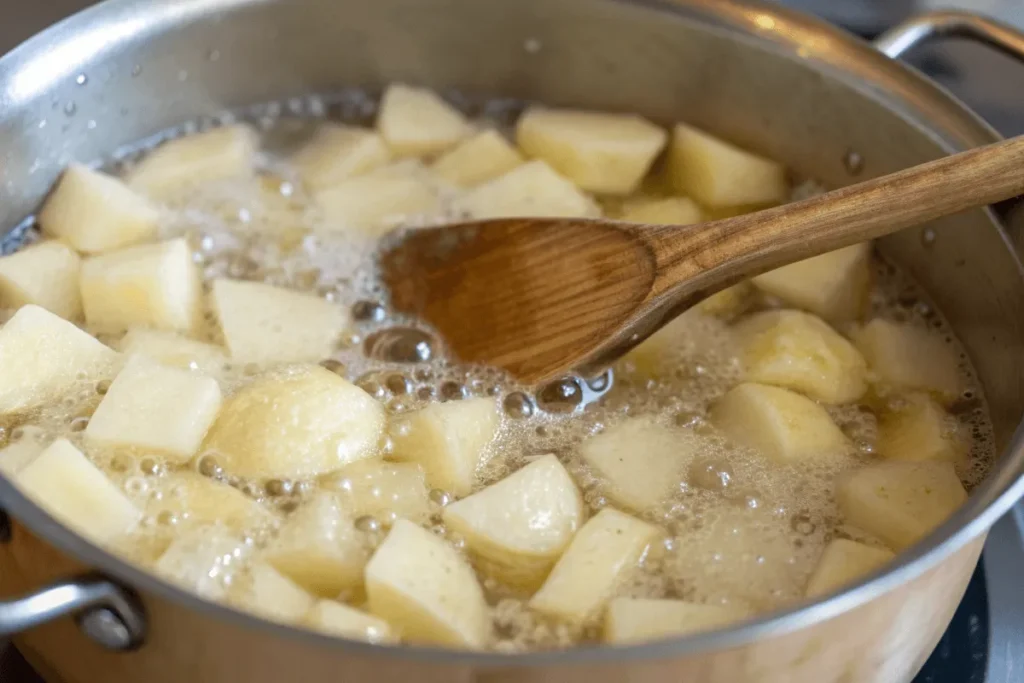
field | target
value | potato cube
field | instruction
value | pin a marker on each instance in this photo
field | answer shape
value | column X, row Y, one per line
column 602, row 554
column 151, row 406
column 901, row 356
column 204, row 560
column 422, row 587
column 917, row 428
column 44, row 274
column 153, row 285
column 68, row 486
column 319, row 547
column 193, row 160
column 603, row 153
column 900, row 502
column 94, row 212
column 482, row 157
column 336, row 152
column 727, row 303
column 630, row 620
column 417, row 122
column 449, row 440
column 717, row 173
column 383, row 490
column 42, row 356
column 834, row 286
column 295, row 423
column 518, row 527
column 196, row 500
column 530, row 190
column 799, row 351
column 843, row 563
column 265, row 324
column 374, row 204
column 174, row 350
column 274, row 596
column 21, row 452
column 640, row 463
column 341, row 620
column 674, row 346
column 664, row 210
column 778, row 423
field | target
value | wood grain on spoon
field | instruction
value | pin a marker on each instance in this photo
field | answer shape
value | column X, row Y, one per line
column 542, row 297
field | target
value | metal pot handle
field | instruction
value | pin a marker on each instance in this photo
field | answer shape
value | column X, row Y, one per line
column 105, row 612
column 941, row 24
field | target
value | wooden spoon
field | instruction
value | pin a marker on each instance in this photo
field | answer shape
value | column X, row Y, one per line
column 541, row 297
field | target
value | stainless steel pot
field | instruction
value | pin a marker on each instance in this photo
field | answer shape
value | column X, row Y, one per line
column 829, row 105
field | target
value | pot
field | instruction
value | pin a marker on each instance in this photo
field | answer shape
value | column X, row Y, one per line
column 827, row 104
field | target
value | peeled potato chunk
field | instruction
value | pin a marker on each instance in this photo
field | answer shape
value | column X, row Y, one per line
column 601, row 555
column 530, row 190
column 153, row 285
column 780, row 424
column 449, row 440
column 151, row 406
column 68, row 486
column 842, row 563
column 21, row 452
column 640, row 463
column 347, row 622
column 265, row 324
column 319, row 547
column 604, row 153
column 336, row 152
column 799, row 351
column 900, row 502
column 376, row 203
column 417, row 122
column 917, row 428
column 44, row 274
column 667, row 210
column 727, row 303
column 297, row 422
column 630, row 620
column 94, row 212
column 219, row 154
column 274, row 596
column 383, row 490
column 482, row 157
column 422, row 587
column 204, row 560
column 174, row 350
column 42, row 356
column 834, row 286
column 196, row 500
column 719, row 174
column 901, row 356
column 671, row 347
column 518, row 527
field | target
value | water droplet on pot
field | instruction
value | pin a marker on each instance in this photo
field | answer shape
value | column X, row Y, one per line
column 853, row 162
column 81, row 79
column 70, row 108
column 928, row 237
column 136, row 70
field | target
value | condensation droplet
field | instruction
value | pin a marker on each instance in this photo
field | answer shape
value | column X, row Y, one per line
column 136, row 70
column 81, row 79
column 853, row 162
column 70, row 108
column 928, row 237
column 213, row 55
column 531, row 46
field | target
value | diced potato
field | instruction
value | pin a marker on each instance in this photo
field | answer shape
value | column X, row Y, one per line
column 274, row 596
column 204, row 560
column 919, row 429
column 196, row 501
column 844, row 562
column 417, row 122
column 383, row 490
column 294, row 423
column 675, row 345
column 44, row 274
column 42, row 355
column 640, row 463
column 449, row 440
column 21, row 452
column 799, row 351
column 630, row 620
column 265, row 324
column 901, row 356
column 336, row 152
column 94, row 212
column 68, row 486
column 518, row 527
column 319, row 547
column 900, row 502
column 664, row 210
column 530, row 190
column 347, row 622
column 604, row 153
column 193, row 160
column 153, row 285
column 151, row 406
column 482, row 157
column 778, row 423
column 602, row 554
column 374, row 204
column 717, row 173
column 727, row 303
column 834, row 285
column 174, row 350
column 422, row 587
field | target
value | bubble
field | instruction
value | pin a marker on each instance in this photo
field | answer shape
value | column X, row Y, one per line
column 151, row 466
column 337, row 367
column 209, row 467
column 453, row 391
column 367, row 523
column 427, row 393
column 563, row 396
column 79, row 424
column 518, row 405
column 398, row 384
column 440, row 498
column 369, row 311
column 279, row 487
column 400, row 345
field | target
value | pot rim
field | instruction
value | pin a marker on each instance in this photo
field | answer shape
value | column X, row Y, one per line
column 792, row 34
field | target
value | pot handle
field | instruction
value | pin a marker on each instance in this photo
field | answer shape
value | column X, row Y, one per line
column 925, row 27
